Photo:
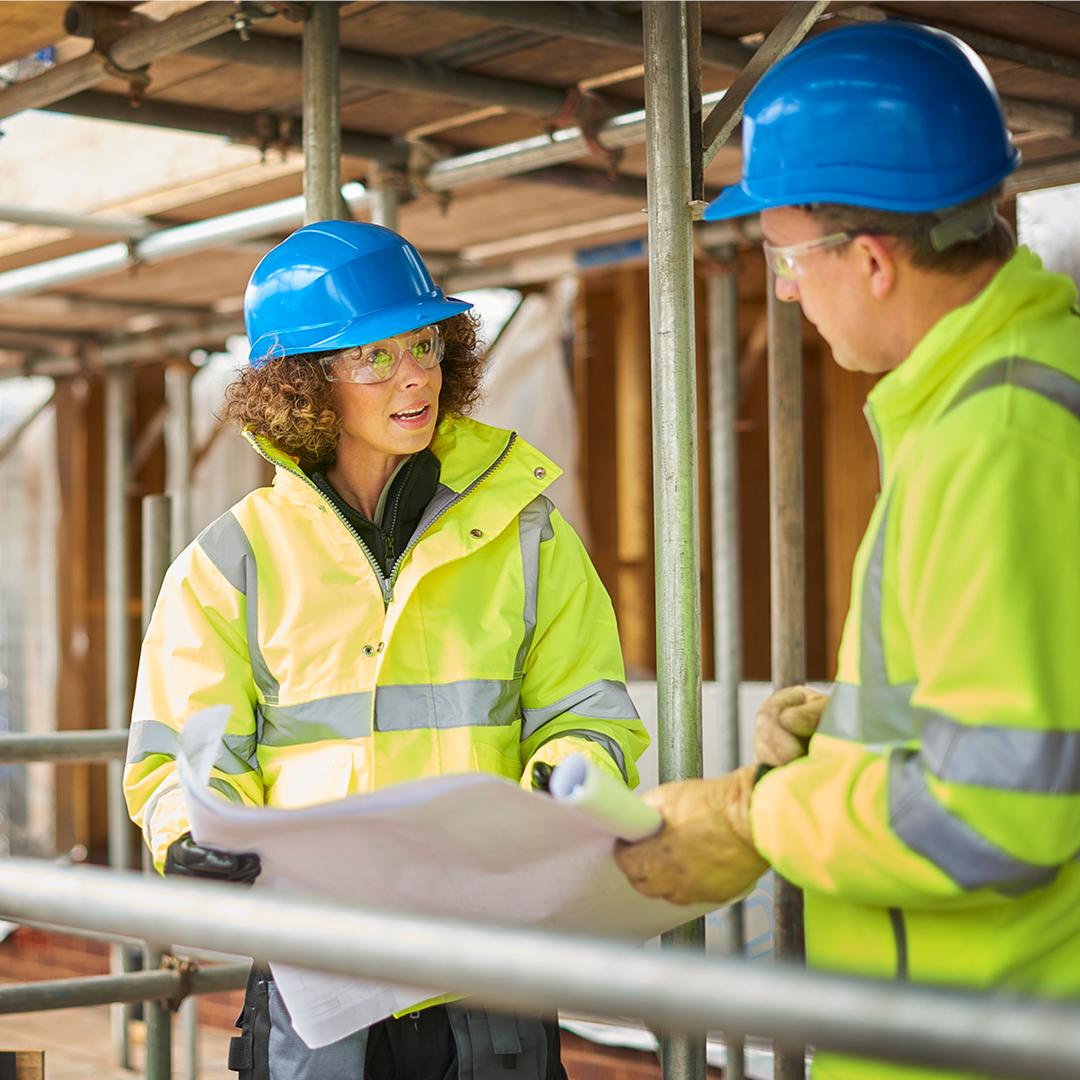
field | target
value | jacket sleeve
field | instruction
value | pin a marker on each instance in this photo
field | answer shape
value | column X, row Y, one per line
column 573, row 691
column 985, row 803
column 194, row 656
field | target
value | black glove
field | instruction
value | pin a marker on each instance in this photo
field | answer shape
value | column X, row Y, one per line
column 185, row 858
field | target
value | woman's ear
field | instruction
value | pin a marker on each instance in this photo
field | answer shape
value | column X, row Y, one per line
column 878, row 263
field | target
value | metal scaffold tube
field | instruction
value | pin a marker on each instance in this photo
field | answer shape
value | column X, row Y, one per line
column 727, row 597
column 178, row 379
column 787, row 560
column 671, row 319
column 534, row 970
column 322, row 113
column 63, row 746
column 385, row 190
column 156, row 547
column 118, row 415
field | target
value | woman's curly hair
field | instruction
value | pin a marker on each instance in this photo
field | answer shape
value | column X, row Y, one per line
column 290, row 402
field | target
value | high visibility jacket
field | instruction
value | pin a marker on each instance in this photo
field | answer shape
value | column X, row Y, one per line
column 935, row 822
column 492, row 645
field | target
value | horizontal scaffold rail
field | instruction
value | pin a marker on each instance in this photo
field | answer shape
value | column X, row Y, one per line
column 531, row 969
column 62, row 746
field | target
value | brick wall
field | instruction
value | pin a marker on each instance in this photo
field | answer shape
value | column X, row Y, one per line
column 29, row 955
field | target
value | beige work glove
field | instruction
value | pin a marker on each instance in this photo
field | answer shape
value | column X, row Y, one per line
column 786, row 720
column 704, row 853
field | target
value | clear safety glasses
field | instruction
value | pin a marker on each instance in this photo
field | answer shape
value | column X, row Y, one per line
column 784, row 261
column 380, row 360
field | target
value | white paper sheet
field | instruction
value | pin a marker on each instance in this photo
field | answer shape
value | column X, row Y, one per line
column 469, row 845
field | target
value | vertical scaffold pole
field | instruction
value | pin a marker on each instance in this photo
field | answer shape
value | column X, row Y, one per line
column 671, row 319
column 722, row 298
column 787, row 563
column 156, row 556
column 118, row 411
column 322, row 114
column 178, row 452
column 385, row 188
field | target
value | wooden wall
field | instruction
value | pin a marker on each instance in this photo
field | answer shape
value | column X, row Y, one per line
column 614, row 400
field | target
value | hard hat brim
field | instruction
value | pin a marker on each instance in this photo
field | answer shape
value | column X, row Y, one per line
column 360, row 331
column 733, row 202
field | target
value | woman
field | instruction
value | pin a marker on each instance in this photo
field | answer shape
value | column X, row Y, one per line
column 403, row 602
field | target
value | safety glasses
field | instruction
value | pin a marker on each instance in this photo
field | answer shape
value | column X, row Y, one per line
column 380, row 360
column 784, row 261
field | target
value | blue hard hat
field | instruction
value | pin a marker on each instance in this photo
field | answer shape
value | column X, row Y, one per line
column 886, row 115
column 335, row 284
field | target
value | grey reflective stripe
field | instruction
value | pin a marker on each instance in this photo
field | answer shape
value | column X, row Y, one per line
column 468, row 703
column 226, row 545
column 237, row 755
column 150, row 807
column 608, row 743
column 957, row 849
column 534, row 528
column 346, row 716
column 602, row 700
column 870, row 714
column 1007, row 758
column 151, row 737
column 227, row 790
column 1025, row 374
column 872, row 670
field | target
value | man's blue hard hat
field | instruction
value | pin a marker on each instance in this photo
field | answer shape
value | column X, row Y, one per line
column 886, row 115
column 336, row 284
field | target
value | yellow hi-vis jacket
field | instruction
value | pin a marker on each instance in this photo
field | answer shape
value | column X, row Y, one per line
column 493, row 645
column 935, row 822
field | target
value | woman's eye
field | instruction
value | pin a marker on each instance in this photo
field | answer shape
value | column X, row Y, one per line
column 421, row 349
column 380, row 358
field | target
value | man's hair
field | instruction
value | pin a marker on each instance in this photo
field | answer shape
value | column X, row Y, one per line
column 913, row 231
column 290, row 401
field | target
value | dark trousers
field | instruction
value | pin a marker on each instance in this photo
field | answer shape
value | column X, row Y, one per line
column 444, row 1042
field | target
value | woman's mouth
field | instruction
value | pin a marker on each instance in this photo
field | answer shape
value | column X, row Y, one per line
column 412, row 418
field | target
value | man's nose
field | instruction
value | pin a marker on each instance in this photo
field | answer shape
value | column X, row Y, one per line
column 787, row 290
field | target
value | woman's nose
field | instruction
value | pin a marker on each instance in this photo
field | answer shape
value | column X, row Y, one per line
column 411, row 373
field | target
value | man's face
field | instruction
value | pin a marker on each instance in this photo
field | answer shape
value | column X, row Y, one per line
column 831, row 288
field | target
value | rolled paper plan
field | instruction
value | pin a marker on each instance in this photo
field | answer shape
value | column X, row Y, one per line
column 577, row 782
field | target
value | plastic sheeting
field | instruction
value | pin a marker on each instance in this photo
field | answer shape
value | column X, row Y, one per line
column 527, row 389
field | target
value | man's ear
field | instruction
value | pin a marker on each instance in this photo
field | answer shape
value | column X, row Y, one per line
column 878, row 263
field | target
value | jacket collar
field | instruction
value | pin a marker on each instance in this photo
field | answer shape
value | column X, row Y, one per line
column 911, row 395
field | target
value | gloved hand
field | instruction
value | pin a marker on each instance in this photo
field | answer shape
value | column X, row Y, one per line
column 785, row 722
column 705, row 852
column 185, row 858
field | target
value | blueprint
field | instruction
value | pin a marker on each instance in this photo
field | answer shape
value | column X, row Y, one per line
column 469, row 845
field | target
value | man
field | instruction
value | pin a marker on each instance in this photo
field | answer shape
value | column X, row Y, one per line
column 931, row 809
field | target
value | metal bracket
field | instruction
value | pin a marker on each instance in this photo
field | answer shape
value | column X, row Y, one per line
column 589, row 111
column 137, row 78
column 186, row 969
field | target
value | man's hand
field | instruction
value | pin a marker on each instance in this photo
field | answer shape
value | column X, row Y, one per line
column 785, row 722
column 705, row 853
column 185, row 858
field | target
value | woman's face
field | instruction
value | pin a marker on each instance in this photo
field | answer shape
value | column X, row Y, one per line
column 394, row 418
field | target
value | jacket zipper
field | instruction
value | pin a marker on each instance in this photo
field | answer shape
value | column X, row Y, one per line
column 453, row 502
column 388, row 536
column 899, row 928
column 386, row 585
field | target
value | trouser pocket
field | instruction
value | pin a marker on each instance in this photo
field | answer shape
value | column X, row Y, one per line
column 501, row 1046
column 249, row 1051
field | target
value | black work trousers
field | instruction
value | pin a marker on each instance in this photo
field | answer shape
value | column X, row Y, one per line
column 444, row 1042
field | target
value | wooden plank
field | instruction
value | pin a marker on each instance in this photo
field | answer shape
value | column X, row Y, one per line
column 25, row 28
column 631, row 405
column 22, row 1065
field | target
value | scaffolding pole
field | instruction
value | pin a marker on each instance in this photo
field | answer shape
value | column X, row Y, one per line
column 118, row 413
column 514, row 968
column 385, row 190
column 322, row 114
column 156, row 548
column 671, row 319
column 178, row 452
column 787, row 559
column 722, row 299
